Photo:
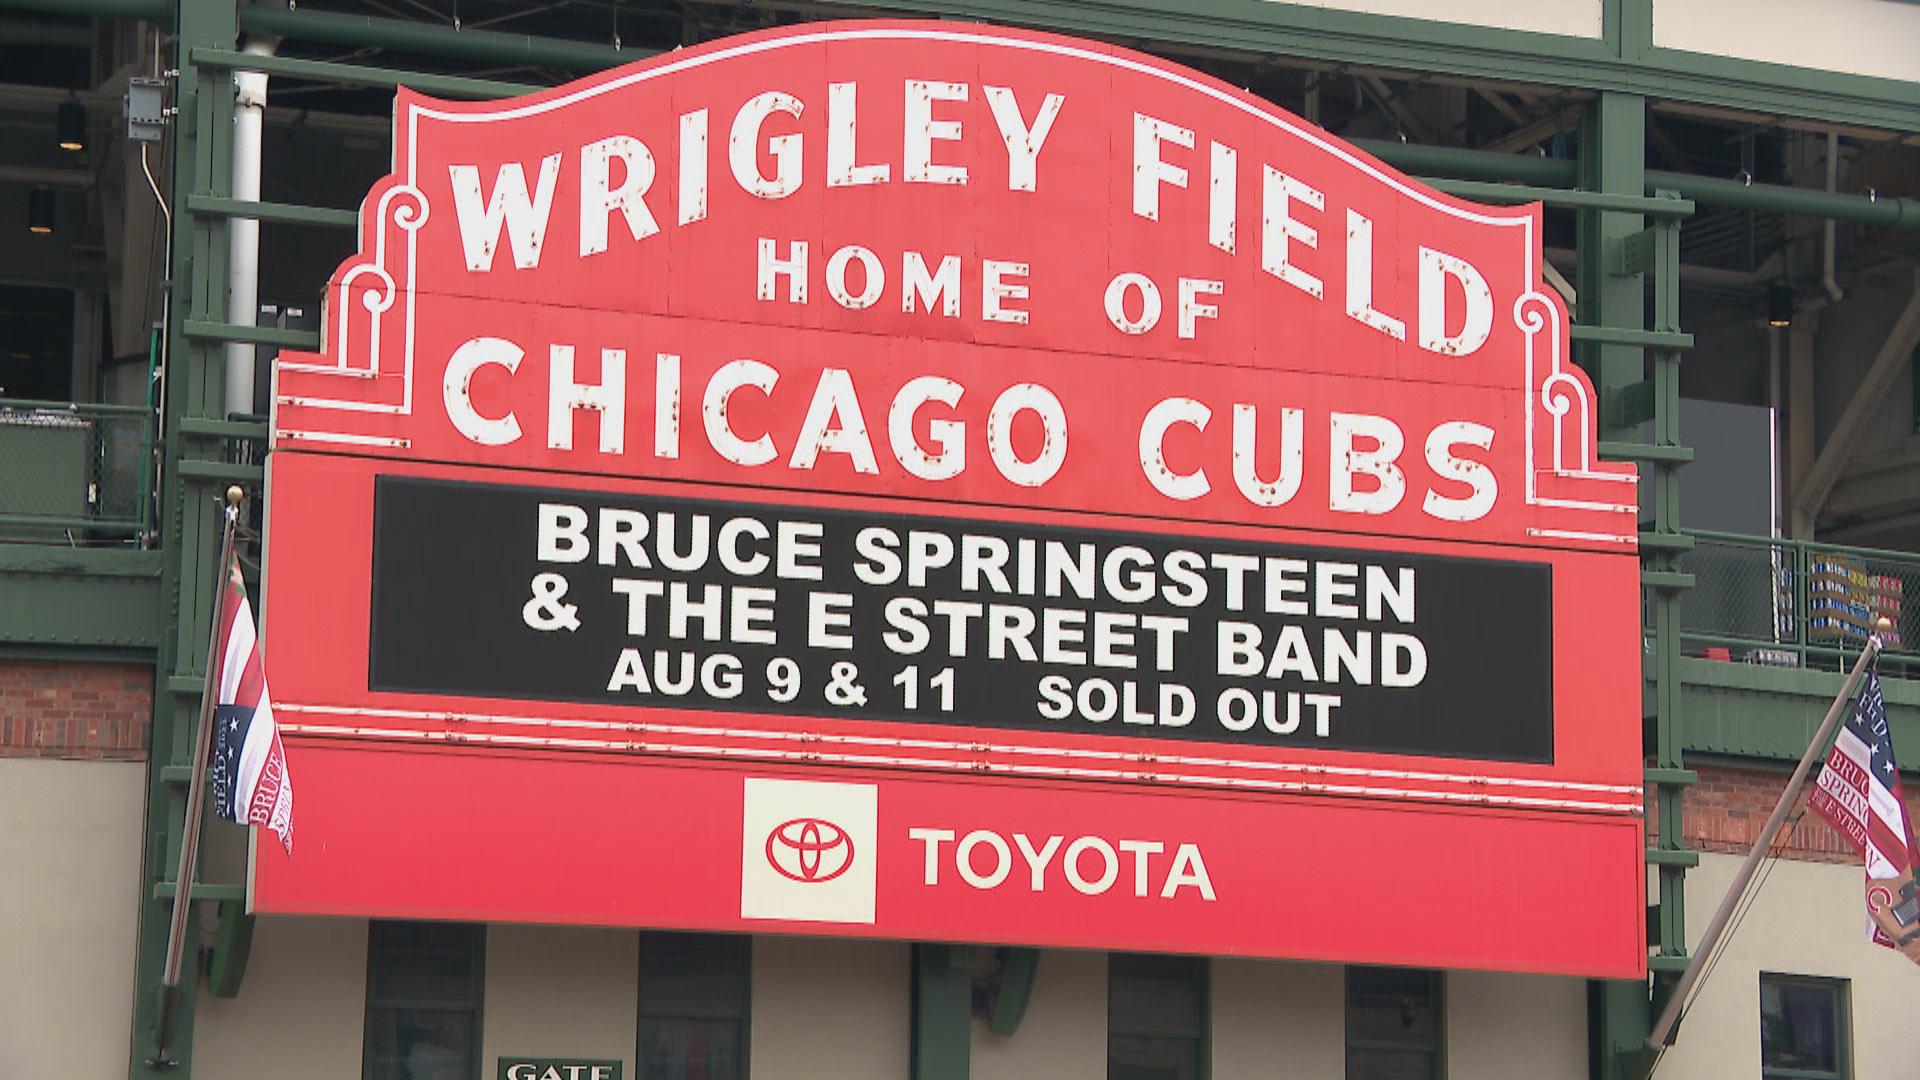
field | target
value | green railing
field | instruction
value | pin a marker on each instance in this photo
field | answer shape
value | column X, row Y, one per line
column 75, row 473
column 1798, row 604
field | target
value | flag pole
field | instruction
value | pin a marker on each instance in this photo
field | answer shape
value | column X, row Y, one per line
column 1665, row 1028
column 197, row 784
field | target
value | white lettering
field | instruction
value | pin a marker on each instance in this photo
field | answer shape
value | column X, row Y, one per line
column 525, row 219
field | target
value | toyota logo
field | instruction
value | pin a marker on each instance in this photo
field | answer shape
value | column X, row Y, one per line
column 809, row 849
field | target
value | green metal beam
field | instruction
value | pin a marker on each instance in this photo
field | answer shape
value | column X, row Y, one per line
column 1767, row 713
column 162, row 1038
column 150, row 10
column 1662, row 569
column 1612, row 311
column 219, row 472
column 942, row 1012
column 1631, row 451
column 1612, row 307
column 1556, row 173
column 202, row 891
column 1622, row 59
column 1465, row 164
column 1013, row 989
column 433, row 39
column 88, row 598
column 254, row 430
column 1439, row 161
column 1483, row 191
column 273, row 212
column 1632, row 338
column 127, row 527
column 232, row 946
column 452, row 86
column 1897, row 213
column 1619, row 61
column 210, row 330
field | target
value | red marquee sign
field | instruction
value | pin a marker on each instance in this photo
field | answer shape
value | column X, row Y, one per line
column 951, row 483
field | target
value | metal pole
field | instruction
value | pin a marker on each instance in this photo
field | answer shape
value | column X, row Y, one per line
column 1422, row 160
column 243, row 234
column 1886, row 210
column 1896, row 212
column 1664, row 1028
column 197, row 784
column 160, row 11
column 435, row 39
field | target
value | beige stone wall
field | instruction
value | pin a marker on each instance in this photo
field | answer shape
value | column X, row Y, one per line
column 1064, row 1033
column 1808, row 919
column 1266, row 1012
column 1860, row 37
column 839, row 1010
column 70, row 863
column 557, row 991
column 1575, row 18
column 830, row 1010
column 1524, row 1027
column 303, row 1002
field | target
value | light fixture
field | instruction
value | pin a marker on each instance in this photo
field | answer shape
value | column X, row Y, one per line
column 72, row 126
column 40, row 211
column 1780, row 305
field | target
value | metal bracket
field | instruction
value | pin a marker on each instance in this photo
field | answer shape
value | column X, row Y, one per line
column 1633, row 255
column 1630, row 405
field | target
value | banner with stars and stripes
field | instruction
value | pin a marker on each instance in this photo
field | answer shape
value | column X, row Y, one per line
column 1859, row 793
column 249, row 768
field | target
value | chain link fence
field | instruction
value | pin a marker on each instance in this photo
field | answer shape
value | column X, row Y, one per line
column 1797, row 604
column 74, row 473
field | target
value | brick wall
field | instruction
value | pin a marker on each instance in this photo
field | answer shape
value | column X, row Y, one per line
column 1725, row 810
column 75, row 710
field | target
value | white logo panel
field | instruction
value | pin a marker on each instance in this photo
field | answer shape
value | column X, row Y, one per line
column 808, row 851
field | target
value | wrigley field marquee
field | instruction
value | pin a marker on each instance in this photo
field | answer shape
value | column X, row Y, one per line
column 947, row 483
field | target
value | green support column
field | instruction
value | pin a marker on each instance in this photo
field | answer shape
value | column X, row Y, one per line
column 201, row 134
column 1661, row 551
column 1611, row 294
column 1612, row 161
column 1617, row 252
column 942, row 1012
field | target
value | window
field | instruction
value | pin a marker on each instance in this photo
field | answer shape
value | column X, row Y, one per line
column 423, row 1001
column 1803, row 1027
column 1156, row 1017
column 36, row 342
column 1394, row 1024
column 693, row 1006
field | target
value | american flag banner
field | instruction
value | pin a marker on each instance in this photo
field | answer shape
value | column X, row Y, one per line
column 1859, row 792
column 248, row 772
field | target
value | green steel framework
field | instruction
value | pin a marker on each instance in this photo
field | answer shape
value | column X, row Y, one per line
column 1617, row 246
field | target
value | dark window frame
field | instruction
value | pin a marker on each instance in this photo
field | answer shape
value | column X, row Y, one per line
column 742, row 944
column 1201, row 1035
column 1435, row 1047
column 1842, row 1011
column 476, row 946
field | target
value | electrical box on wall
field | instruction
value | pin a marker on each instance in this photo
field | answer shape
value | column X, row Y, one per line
column 146, row 112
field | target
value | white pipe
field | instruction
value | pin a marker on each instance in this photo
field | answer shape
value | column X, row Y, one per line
column 1826, row 248
column 243, row 234
column 1774, row 495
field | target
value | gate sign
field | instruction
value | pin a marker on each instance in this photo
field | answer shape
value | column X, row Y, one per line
column 950, row 483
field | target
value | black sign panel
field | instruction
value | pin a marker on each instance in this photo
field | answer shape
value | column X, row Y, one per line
column 516, row 592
